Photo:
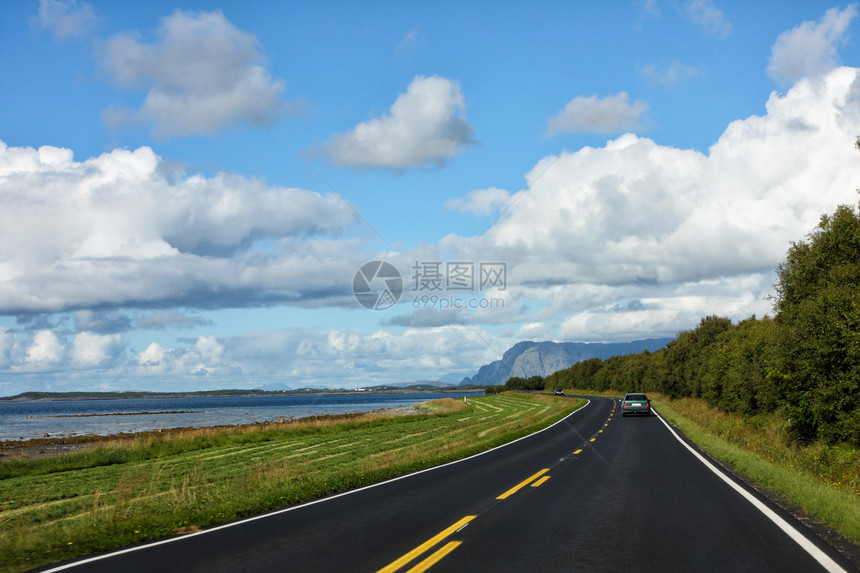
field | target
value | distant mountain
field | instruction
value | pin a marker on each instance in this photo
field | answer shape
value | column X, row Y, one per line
column 433, row 383
column 451, row 379
column 274, row 387
column 526, row 359
column 497, row 372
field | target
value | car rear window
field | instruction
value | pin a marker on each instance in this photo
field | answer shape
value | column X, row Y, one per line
column 636, row 397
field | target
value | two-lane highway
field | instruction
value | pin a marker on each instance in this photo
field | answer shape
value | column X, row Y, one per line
column 595, row 492
column 634, row 499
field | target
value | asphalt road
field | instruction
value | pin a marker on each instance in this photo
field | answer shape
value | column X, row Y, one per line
column 595, row 492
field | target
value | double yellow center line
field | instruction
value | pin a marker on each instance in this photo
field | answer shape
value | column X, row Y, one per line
column 437, row 555
column 424, row 547
column 535, row 480
column 524, row 483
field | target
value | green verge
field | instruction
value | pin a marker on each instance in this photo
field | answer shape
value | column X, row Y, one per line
column 154, row 487
column 777, row 467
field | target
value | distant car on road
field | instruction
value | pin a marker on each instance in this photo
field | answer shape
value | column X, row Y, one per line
column 635, row 404
column 559, row 391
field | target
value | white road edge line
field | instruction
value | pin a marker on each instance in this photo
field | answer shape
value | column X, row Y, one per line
column 295, row 507
column 823, row 559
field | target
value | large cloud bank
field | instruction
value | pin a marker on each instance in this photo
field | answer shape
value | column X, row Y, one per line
column 121, row 229
column 624, row 241
column 57, row 360
column 636, row 236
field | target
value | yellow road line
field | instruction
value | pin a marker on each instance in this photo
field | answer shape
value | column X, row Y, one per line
column 395, row 565
column 436, row 557
column 522, row 484
column 592, row 439
column 540, row 481
column 576, row 452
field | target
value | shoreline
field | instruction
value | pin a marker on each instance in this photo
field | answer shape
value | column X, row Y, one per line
column 62, row 419
column 58, row 445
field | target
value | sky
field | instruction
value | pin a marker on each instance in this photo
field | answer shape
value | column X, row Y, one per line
column 335, row 194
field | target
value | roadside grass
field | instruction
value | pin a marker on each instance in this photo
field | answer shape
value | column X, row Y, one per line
column 146, row 488
column 824, row 480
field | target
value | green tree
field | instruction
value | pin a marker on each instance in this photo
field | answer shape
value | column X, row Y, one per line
column 684, row 357
column 581, row 375
column 520, row 383
column 735, row 368
column 818, row 314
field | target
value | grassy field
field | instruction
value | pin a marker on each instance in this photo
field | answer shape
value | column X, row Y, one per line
column 823, row 480
column 126, row 492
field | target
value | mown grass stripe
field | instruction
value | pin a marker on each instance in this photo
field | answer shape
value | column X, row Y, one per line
column 200, row 482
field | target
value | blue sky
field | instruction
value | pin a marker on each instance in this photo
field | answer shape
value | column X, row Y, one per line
column 188, row 190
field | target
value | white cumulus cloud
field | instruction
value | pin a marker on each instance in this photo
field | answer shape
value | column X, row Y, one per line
column 205, row 358
column 676, row 227
column 674, row 76
column 424, row 126
column 612, row 114
column 708, row 17
column 147, row 236
column 480, row 201
column 202, row 75
column 92, row 350
column 45, row 350
column 66, row 18
column 810, row 48
column 151, row 360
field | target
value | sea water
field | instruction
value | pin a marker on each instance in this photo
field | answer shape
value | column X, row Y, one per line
column 26, row 420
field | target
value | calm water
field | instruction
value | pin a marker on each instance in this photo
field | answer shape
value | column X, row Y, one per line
column 25, row 420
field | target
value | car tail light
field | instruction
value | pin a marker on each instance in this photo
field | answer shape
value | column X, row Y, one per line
column 647, row 404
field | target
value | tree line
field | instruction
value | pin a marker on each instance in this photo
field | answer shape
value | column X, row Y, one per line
column 804, row 362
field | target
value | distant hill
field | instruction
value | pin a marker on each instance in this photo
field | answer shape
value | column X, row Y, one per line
column 274, row 387
column 451, row 379
column 528, row 358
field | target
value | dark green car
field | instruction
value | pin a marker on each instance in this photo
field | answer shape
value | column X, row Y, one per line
column 635, row 404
